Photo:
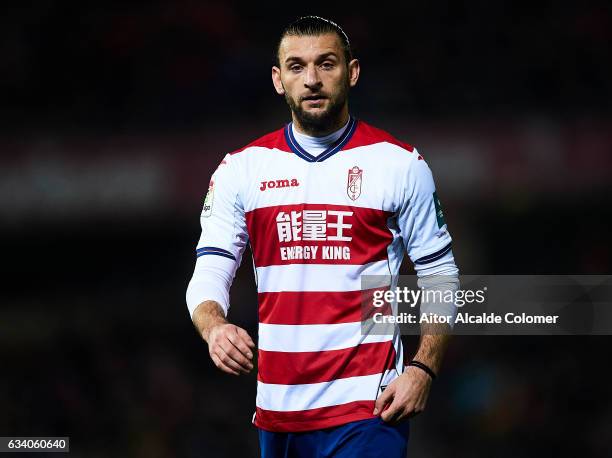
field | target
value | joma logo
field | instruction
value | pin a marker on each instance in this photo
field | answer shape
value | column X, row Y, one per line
column 278, row 184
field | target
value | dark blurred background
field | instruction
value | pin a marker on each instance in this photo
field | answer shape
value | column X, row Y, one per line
column 114, row 115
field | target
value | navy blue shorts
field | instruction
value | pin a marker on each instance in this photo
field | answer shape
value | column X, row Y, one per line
column 364, row 439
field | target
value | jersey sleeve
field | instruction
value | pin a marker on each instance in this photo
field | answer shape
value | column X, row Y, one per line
column 421, row 220
column 223, row 238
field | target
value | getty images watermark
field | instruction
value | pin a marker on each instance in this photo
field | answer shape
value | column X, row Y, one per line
column 488, row 305
column 384, row 300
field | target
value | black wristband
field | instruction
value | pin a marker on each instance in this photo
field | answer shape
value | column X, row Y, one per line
column 423, row 367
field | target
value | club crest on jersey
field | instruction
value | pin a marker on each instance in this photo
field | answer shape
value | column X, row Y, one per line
column 353, row 184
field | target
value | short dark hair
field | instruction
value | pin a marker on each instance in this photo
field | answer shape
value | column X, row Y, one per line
column 315, row 26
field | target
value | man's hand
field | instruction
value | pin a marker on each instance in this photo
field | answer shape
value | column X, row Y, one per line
column 407, row 395
column 404, row 397
column 231, row 349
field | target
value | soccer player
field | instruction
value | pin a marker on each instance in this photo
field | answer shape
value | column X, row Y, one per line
column 322, row 201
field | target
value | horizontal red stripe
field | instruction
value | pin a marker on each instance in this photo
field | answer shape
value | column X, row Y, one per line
column 318, row 307
column 289, row 368
column 308, row 420
column 369, row 234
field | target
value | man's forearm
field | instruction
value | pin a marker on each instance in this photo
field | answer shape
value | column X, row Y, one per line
column 206, row 316
column 432, row 345
column 442, row 278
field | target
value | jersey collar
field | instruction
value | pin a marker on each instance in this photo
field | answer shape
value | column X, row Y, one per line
column 333, row 149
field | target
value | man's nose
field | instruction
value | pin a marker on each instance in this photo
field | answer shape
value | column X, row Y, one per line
column 311, row 79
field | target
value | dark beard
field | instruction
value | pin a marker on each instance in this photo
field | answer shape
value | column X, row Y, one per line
column 322, row 123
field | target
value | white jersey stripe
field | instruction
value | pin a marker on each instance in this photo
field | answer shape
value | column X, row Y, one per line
column 314, row 395
column 319, row 337
column 319, row 277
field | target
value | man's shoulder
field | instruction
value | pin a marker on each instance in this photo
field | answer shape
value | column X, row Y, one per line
column 367, row 134
column 272, row 140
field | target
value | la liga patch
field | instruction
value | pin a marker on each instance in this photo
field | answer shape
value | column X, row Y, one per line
column 208, row 201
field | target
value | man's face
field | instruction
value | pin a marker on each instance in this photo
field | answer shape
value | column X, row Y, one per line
column 314, row 78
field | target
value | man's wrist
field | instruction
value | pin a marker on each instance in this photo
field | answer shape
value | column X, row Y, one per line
column 424, row 367
column 207, row 316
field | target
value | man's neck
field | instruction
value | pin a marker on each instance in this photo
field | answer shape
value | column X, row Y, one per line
column 333, row 127
column 317, row 145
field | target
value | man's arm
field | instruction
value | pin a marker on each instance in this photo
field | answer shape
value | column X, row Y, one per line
column 218, row 255
column 230, row 347
column 428, row 244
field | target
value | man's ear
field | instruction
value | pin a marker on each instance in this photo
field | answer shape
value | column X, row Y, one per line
column 353, row 70
column 276, row 80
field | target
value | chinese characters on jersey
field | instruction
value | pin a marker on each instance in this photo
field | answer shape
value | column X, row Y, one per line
column 314, row 226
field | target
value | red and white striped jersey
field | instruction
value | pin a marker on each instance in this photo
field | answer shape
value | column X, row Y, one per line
column 316, row 224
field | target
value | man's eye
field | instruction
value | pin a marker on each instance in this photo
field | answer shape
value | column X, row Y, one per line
column 327, row 65
column 295, row 68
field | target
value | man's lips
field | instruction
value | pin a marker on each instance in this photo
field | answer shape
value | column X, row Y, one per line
column 313, row 98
